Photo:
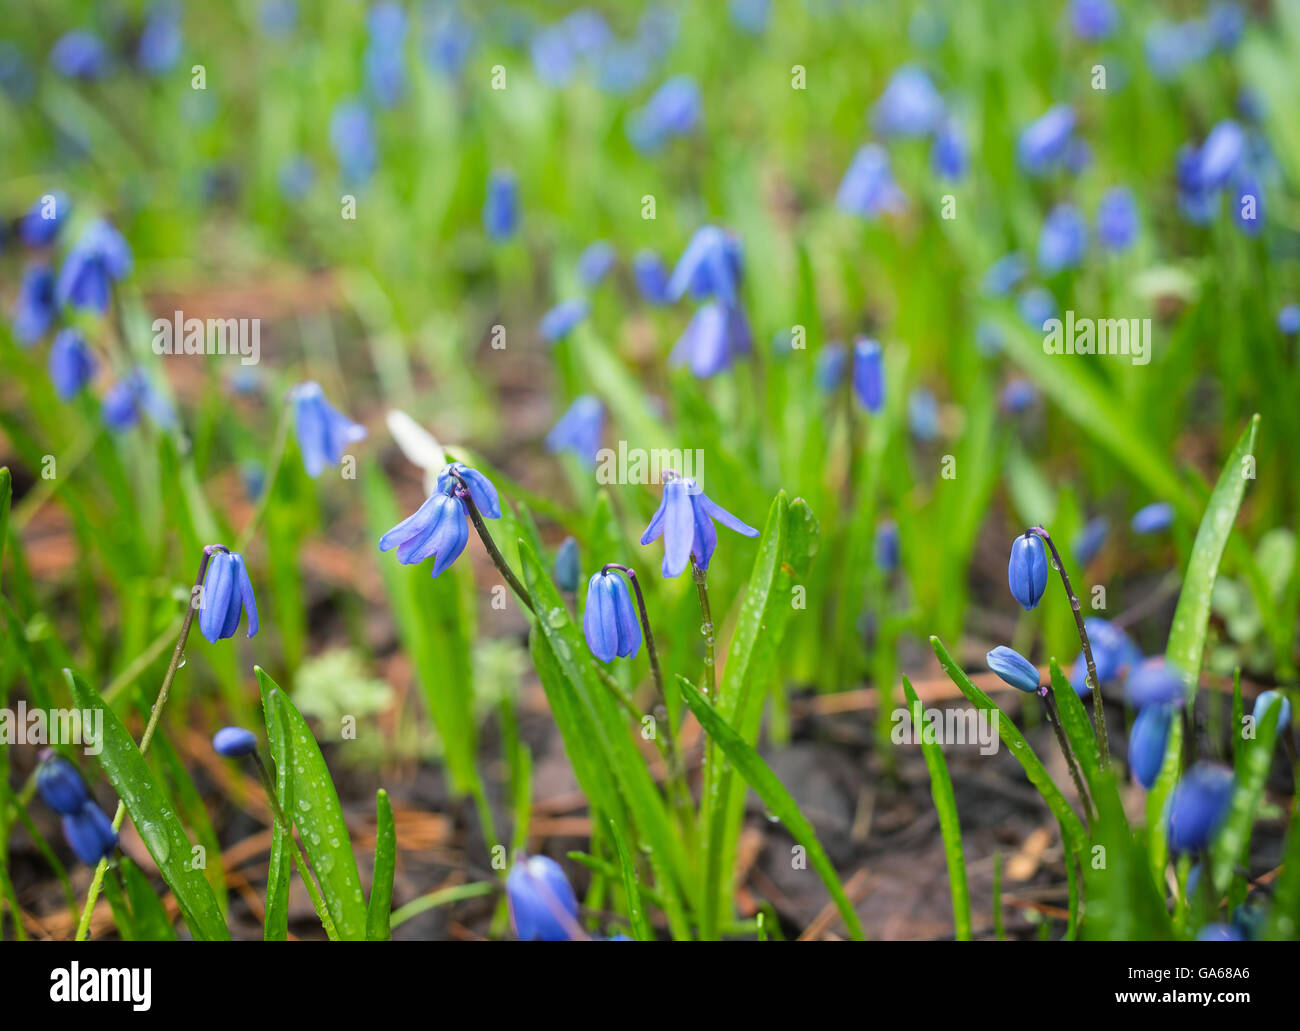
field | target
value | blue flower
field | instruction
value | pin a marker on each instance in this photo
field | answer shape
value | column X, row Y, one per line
column 542, row 904
column 1004, row 274
column 501, row 209
column 716, row 335
column 1226, row 22
column 885, row 548
column 1171, row 46
column 869, row 374
column 1219, row 932
column 832, row 360
column 1220, row 155
column 35, row 306
column 578, row 429
column 352, row 138
column 99, row 257
column 90, row 834
column 868, row 189
column 557, row 323
column 79, row 55
column 1198, row 807
column 1147, row 742
column 227, row 594
column 1090, row 539
column 1036, row 305
column 60, row 785
column 1153, row 518
column 1014, row 668
column 672, row 110
column 160, row 41
column 234, row 742
column 1265, row 701
column 43, row 220
column 685, row 521
column 1063, row 239
column 910, row 105
column 1117, row 218
column 588, row 31
column 323, row 431
column 567, row 568
column 71, row 363
column 1153, row 682
column 1027, row 570
column 553, row 56
column 383, row 58
column 1113, row 652
column 1043, row 144
column 948, row 152
column 449, row 39
column 1093, row 20
column 594, row 263
column 130, row 397
column 923, row 414
column 481, row 490
column 609, row 620
column 651, row 277
column 750, row 15
column 438, row 528
column 711, row 266
column 1017, row 396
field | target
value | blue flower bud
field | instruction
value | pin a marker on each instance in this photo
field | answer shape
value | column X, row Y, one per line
column 227, row 594
column 869, row 374
column 1117, row 219
column 79, row 55
column 99, row 258
column 1027, row 570
column 567, row 569
column 61, row 785
column 89, row 833
column 542, row 904
column 1266, row 701
column 1218, row 933
column 594, row 263
column 1017, row 396
column 749, row 16
column 234, row 742
column 1198, row 807
column 323, row 431
column 557, row 323
column 885, row 547
column 714, row 338
column 1090, row 539
column 160, row 40
column 1154, row 682
column 1063, row 239
column 579, row 429
column 1147, row 742
column 1004, row 274
column 1093, row 20
column 352, row 139
column 1113, row 652
column 1044, row 143
column 480, row 487
column 1014, row 668
column 685, row 520
column 439, row 527
column 1036, row 305
column 71, row 363
column 909, row 106
column 672, row 110
column 610, row 620
column 868, row 189
column 711, row 267
column 1288, row 319
column 35, row 306
column 651, row 275
column 1154, row 518
column 42, row 221
column 949, row 153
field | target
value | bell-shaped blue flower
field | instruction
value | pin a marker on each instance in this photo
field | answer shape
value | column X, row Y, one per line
column 672, row 110
column 132, row 396
column 1288, row 319
column 1027, row 570
column 949, row 156
column 685, row 521
column 323, row 431
column 1154, row 518
column 1265, row 701
column 885, row 546
column 60, row 785
column 558, row 323
column 501, row 208
column 869, row 374
column 1147, row 742
column 448, row 41
column 90, row 834
column 99, row 258
column 41, row 223
column 1117, row 219
column 909, row 106
column 542, row 904
column 1153, row 682
column 715, row 337
column 1044, row 144
column 832, row 361
column 711, row 266
column 383, row 59
column 352, row 139
column 234, row 742
column 71, row 363
column 227, row 594
column 1063, row 239
column 160, row 40
column 1198, row 807
column 438, row 528
column 1093, row 20
column 1014, row 668
column 609, row 620
column 868, row 189
column 567, row 568
column 35, row 306
column 1113, row 654
column 1017, row 395
column 651, row 277
column 579, row 429
column 79, row 55
column 1220, row 155
column 594, row 263
column 481, row 489
column 1090, row 539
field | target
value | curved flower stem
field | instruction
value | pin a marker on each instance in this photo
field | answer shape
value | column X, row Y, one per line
column 493, row 551
column 710, row 680
column 1049, row 705
column 1098, row 708
column 178, row 654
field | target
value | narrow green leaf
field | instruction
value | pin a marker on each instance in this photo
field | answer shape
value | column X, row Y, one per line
column 1232, row 844
column 380, row 910
column 631, row 885
column 275, row 925
column 151, row 920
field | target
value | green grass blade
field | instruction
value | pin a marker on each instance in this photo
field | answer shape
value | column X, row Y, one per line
column 275, row 924
column 1232, row 843
column 631, row 887
column 380, row 910
column 151, row 921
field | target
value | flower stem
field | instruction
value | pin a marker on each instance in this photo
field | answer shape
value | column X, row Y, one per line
column 709, row 682
column 1098, row 707
column 1049, row 705
column 494, row 553
column 278, row 449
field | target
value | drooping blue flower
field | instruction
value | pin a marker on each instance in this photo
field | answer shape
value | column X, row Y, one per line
column 869, row 374
column 1153, row 518
column 449, row 39
column 1093, row 20
column 89, row 833
column 1005, row 274
column 1195, row 201
column 715, row 337
column 542, row 904
column 832, row 361
column 234, row 742
column 553, row 56
column 481, row 490
column 1113, row 654
column 567, row 568
column 1027, row 570
column 1043, row 144
column 227, row 594
column 160, row 41
column 949, row 155
column 323, row 431
column 71, row 363
column 579, row 429
column 438, row 528
column 557, row 323
column 909, row 106
column 1063, row 239
column 1090, row 539
column 79, row 55
column 501, row 209
column 60, row 785
column 594, row 263
column 1265, row 701
column 711, row 266
column 1036, row 305
column 1288, row 319
column 1226, row 22
column 1014, row 668
column 132, row 396
column 685, row 520
column 383, row 60
column 609, row 620
column 1198, row 807
column 98, row 259
column 1147, row 742
column 1220, row 155
column 1117, row 219
column 651, row 275
column 885, row 547
column 868, row 189
column 1153, row 682
column 750, row 15
column 672, row 110
column 923, row 414
column 352, row 138
column 41, row 223
column 1171, row 46
column 35, row 306
column 1018, row 395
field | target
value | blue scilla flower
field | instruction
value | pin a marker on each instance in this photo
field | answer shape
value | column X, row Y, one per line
column 559, row 322
column 481, row 490
column 594, row 263
column 1036, row 305
column 832, row 361
column 909, row 106
column 1265, row 701
column 1044, row 144
column 673, row 110
column 750, row 15
column 1226, row 22
column 352, row 139
column 609, row 620
column 131, row 397
column 385, row 73
column 1113, row 654
column 869, row 374
column 578, row 429
column 98, row 259
column 323, row 431
column 1005, row 274
column 1090, row 539
column 885, row 546
column 588, row 31
column 71, row 363
column 1153, row 682
column 685, row 520
column 1171, row 46
column 501, row 208
column 386, row 23
column 35, row 306
column 79, row 55
column 923, row 414
column 60, row 785
column 438, row 528
column 41, row 223
column 651, row 275
column 1013, row 668
column 1220, row 156
column 567, row 568
column 553, row 56
column 949, row 155
column 1027, row 570
column 542, row 904
column 89, row 833
column 1117, row 219
column 1018, row 395
column 234, row 742
column 1147, row 742
column 1093, row 20
column 227, row 594
column 448, row 42
column 160, row 40
column 1219, row 932
column 1288, row 319
column 1199, row 804
column 1062, row 240
column 1153, row 518
column 868, row 189
column 714, row 338
column 711, row 266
